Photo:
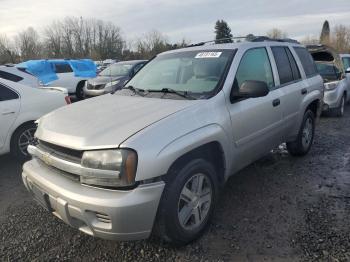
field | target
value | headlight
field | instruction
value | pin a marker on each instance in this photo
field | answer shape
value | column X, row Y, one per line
column 113, row 83
column 111, row 168
column 331, row 85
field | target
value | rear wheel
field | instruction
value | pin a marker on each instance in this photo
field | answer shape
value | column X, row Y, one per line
column 80, row 91
column 187, row 203
column 21, row 139
column 305, row 138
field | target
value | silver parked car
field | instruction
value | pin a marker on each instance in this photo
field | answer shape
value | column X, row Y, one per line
column 113, row 77
column 336, row 78
column 155, row 155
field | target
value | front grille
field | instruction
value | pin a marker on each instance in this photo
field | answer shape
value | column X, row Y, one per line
column 61, row 152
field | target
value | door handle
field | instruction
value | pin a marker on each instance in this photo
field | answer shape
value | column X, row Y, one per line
column 304, row 91
column 276, row 102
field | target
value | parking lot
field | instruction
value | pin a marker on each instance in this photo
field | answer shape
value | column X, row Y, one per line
column 279, row 208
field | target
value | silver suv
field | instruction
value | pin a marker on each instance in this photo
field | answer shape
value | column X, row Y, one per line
column 154, row 156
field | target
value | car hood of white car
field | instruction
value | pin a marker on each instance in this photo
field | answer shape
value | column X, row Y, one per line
column 105, row 121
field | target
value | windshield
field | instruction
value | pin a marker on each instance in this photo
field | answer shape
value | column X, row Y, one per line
column 195, row 72
column 116, row 70
column 328, row 71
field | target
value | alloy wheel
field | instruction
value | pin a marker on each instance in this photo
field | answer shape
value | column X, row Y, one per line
column 195, row 202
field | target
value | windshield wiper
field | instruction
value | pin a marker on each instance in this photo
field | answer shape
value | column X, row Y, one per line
column 139, row 91
column 183, row 94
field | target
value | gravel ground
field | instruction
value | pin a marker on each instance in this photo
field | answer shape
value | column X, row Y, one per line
column 278, row 209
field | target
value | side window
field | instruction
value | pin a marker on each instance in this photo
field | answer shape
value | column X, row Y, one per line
column 63, row 68
column 293, row 64
column 283, row 66
column 255, row 65
column 346, row 62
column 7, row 94
column 306, row 60
column 10, row 77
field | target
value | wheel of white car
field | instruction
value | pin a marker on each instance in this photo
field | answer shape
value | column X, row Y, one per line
column 305, row 138
column 187, row 203
column 20, row 140
column 80, row 90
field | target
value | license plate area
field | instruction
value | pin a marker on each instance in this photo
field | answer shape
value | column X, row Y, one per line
column 41, row 197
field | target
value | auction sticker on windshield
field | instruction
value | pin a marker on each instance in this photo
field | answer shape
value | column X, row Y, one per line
column 208, row 55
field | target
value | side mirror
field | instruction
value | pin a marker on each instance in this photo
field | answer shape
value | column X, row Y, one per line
column 347, row 71
column 250, row 89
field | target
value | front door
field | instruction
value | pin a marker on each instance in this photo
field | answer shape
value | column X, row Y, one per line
column 256, row 122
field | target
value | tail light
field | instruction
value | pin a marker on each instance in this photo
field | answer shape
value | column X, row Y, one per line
column 67, row 98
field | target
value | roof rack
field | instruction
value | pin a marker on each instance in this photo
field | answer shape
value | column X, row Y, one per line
column 248, row 38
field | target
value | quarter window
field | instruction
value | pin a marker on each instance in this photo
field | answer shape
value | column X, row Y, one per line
column 306, row 60
column 10, row 77
column 7, row 94
column 255, row 65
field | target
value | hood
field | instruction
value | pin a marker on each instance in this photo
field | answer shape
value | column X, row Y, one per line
column 105, row 121
column 100, row 80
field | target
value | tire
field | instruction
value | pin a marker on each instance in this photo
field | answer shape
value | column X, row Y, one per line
column 20, row 140
column 80, row 91
column 176, row 202
column 339, row 111
column 301, row 146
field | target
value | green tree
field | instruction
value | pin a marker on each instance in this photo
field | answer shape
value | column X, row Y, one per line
column 325, row 33
column 222, row 31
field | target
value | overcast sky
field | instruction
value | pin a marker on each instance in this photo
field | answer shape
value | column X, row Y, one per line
column 190, row 19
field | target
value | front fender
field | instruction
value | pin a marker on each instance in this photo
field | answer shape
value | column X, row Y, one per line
column 190, row 141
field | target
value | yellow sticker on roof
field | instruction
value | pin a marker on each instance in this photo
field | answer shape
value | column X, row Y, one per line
column 208, row 55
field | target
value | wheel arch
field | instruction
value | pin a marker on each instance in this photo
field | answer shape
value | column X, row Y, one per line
column 211, row 151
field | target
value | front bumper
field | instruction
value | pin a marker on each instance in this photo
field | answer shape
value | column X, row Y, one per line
column 96, row 92
column 332, row 99
column 108, row 214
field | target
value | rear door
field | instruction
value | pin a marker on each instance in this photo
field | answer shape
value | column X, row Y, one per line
column 291, row 84
column 65, row 76
column 9, row 110
column 256, row 122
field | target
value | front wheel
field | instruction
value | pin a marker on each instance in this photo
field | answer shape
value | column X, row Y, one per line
column 187, row 203
column 305, row 138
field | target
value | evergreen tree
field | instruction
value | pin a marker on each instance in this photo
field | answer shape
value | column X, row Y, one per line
column 325, row 33
column 222, row 30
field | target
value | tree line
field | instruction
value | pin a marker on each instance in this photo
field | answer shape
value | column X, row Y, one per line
column 77, row 37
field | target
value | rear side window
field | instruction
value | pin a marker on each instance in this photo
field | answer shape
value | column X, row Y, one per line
column 306, row 60
column 293, row 64
column 7, row 94
column 63, row 68
column 255, row 65
column 283, row 66
column 10, row 77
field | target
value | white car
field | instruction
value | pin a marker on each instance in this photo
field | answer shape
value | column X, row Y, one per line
column 20, row 107
column 63, row 69
column 18, row 75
